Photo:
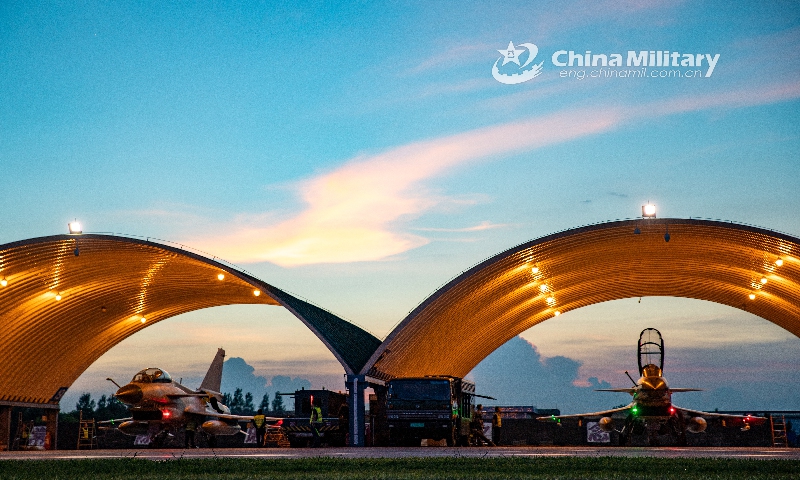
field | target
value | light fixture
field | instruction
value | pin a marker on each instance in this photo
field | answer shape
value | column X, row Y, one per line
column 551, row 300
column 3, row 282
column 752, row 296
column 75, row 227
column 779, row 262
column 535, row 270
column 649, row 211
column 256, row 292
column 58, row 296
column 221, row 276
column 556, row 313
column 543, row 288
column 763, row 280
column 143, row 320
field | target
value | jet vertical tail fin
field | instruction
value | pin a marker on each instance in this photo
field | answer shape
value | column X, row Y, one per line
column 213, row 378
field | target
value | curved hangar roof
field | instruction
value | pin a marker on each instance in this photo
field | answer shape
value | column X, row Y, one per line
column 459, row 325
column 60, row 312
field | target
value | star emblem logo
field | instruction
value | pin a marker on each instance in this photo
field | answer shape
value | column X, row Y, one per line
column 510, row 54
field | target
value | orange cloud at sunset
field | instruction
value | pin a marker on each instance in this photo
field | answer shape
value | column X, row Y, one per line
column 350, row 212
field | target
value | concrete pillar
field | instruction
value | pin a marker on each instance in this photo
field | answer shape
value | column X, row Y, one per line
column 355, row 402
column 5, row 427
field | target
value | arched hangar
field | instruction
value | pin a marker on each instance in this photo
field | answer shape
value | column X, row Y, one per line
column 67, row 299
column 459, row 325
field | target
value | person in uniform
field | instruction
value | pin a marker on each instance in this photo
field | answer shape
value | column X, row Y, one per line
column 316, row 423
column 497, row 425
column 476, row 426
column 260, row 422
column 189, row 430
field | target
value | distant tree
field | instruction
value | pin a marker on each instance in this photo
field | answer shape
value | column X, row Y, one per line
column 236, row 402
column 248, row 408
column 226, row 399
column 277, row 404
column 264, row 405
column 108, row 408
column 86, row 405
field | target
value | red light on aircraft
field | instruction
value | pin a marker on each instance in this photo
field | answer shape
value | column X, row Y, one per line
column 672, row 410
column 165, row 413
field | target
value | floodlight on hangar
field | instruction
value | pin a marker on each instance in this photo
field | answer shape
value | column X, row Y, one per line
column 649, row 211
column 75, row 227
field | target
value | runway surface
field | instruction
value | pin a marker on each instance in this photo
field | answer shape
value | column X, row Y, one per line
column 766, row 453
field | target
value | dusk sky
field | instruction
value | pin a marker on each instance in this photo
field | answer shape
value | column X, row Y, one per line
column 360, row 156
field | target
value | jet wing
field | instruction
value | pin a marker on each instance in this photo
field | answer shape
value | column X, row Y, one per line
column 114, row 421
column 673, row 390
column 225, row 416
column 745, row 418
column 621, row 390
column 592, row 414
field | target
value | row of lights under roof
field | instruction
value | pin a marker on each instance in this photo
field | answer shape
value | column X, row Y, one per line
column 763, row 281
column 543, row 288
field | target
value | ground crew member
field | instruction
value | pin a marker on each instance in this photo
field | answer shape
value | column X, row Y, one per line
column 476, row 425
column 260, row 422
column 189, row 429
column 497, row 425
column 316, row 422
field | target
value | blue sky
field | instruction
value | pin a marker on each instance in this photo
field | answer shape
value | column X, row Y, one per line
column 361, row 156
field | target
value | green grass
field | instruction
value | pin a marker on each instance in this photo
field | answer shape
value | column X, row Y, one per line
column 402, row 468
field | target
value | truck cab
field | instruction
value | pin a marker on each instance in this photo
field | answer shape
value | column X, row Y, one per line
column 435, row 407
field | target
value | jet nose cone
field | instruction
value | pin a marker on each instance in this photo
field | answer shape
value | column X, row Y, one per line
column 129, row 394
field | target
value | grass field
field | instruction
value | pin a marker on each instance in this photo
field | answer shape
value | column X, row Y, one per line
column 403, row 468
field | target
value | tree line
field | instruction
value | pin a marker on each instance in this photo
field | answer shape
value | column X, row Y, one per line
column 108, row 407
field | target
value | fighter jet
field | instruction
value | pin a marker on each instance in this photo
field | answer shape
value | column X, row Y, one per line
column 159, row 405
column 651, row 408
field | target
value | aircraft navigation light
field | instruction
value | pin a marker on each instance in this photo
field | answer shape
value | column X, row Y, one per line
column 649, row 211
column 779, row 262
column 221, row 276
column 256, row 292
column 635, row 410
column 535, row 270
column 542, row 288
column 752, row 296
column 3, row 282
column 165, row 413
column 75, row 227
column 763, row 280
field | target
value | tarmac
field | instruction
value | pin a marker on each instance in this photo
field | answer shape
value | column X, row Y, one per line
column 765, row 453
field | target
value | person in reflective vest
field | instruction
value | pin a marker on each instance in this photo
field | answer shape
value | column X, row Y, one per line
column 260, row 422
column 316, row 422
column 497, row 424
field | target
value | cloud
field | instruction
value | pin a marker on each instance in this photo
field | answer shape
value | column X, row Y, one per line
column 517, row 374
column 486, row 225
column 350, row 212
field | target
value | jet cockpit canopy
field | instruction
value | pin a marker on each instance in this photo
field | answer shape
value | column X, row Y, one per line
column 152, row 375
column 651, row 350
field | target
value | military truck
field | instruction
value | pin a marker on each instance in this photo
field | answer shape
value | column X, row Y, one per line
column 434, row 407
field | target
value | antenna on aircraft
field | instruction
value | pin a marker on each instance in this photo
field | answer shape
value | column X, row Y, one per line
column 629, row 376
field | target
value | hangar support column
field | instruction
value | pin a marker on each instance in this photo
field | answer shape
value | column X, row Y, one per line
column 356, row 384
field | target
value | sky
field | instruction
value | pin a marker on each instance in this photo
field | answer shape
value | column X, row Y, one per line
column 362, row 155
